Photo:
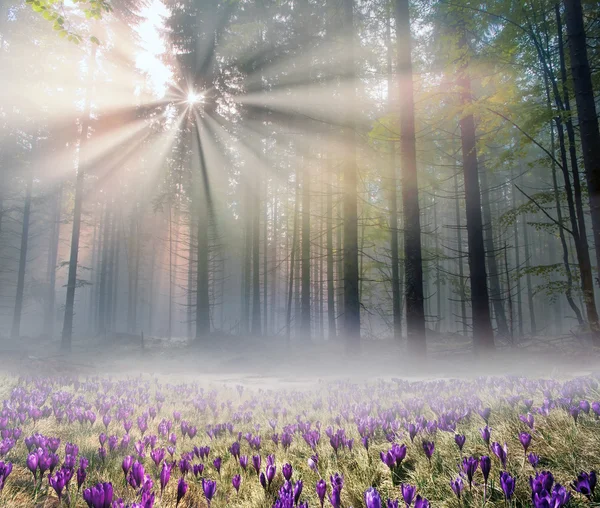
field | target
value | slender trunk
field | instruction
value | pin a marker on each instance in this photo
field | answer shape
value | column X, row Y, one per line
column 528, row 278
column 274, row 263
column 494, row 272
column 413, row 262
column 461, row 271
column 265, row 257
column 587, row 115
column 136, row 276
column 16, row 323
column 111, row 272
column 247, row 267
column 393, row 198
column 517, row 266
column 190, row 276
column 350, row 201
column 67, row 333
column 483, row 335
column 511, row 323
column 170, row 318
column 104, row 269
column 50, row 310
column 305, row 254
column 116, row 279
column 292, row 266
column 256, row 314
column 331, row 333
column 204, row 222
column 438, row 274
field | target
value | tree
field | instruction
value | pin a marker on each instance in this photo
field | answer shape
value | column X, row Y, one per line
column 413, row 272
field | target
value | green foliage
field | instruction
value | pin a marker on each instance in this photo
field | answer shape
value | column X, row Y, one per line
column 54, row 12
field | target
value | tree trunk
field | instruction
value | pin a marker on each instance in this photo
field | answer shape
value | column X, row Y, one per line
column 494, row 273
column 288, row 319
column 586, row 112
column 202, row 268
column 256, row 314
column 393, row 199
column 483, row 335
column 461, row 272
column 350, row 201
column 16, row 323
column 67, row 333
column 331, row 327
column 413, row 262
column 50, row 308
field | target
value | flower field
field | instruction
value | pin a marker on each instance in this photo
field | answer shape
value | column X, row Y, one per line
column 141, row 442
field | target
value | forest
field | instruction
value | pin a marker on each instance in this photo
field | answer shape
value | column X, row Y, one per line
column 338, row 170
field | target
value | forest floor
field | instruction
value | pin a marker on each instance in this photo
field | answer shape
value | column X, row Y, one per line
column 267, row 362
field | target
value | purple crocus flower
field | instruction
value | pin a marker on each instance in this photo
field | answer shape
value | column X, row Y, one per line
column 399, row 452
column 81, row 472
column 217, row 463
column 585, row 484
column 469, row 467
column 408, row 493
column 127, row 463
column 525, row 439
column 32, row 464
column 5, row 470
column 165, row 475
column 421, row 502
column 271, row 470
column 298, row 490
column 236, row 481
column 428, row 448
column 210, row 488
column 321, row 489
column 388, row 459
column 198, row 469
column 59, row 481
column 287, row 471
column 460, row 439
column 486, row 433
column 263, row 480
column 182, row 488
column 485, row 414
column 486, row 465
column 243, row 461
column 533, row 459
column 256, row 463
column 457, row 486
column 501, row 452
column 372, row 498
column 507, row 482
column 99, row 496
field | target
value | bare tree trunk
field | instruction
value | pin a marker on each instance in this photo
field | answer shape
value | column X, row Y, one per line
column 494, row 272
column 393, row 199
column 67, row 332
column 331, row 326
column 256, row 314
column 16, row 323
column 586, row 112
column 483, row 335
column 461, row 272
column 50, row 308
column 292, row 266
column 413, row 262
column 265, row 256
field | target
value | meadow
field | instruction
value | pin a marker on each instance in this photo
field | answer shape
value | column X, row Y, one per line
column 141, row 442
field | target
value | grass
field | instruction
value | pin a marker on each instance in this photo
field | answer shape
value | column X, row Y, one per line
column 565, row 447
